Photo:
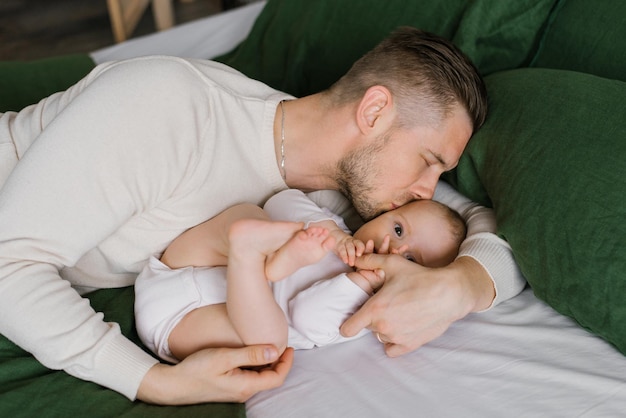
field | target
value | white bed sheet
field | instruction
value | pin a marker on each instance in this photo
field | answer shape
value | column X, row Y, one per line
column 521, row 359
column 203, row 38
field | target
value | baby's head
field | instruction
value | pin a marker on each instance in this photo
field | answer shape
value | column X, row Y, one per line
column 424, row 231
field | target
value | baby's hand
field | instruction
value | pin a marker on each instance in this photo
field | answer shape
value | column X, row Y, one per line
column 348, row 249
column 384, row 246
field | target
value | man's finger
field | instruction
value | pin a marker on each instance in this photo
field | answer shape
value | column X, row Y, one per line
column 396, row 350
column 267, row 378
column 283, row 365
column 254, row 355
column 275, row 375
column 353, row 325
column 371, row 261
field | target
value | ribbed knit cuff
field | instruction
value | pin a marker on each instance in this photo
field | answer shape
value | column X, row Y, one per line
column 495, row 256
column 121, row 366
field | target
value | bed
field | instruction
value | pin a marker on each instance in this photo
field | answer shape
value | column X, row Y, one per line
column 557, row 349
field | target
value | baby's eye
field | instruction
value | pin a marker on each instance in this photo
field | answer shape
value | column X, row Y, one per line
column 398, row 229
column 410, row 258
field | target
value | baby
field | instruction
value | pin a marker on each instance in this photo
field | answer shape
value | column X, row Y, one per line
column 221, row 283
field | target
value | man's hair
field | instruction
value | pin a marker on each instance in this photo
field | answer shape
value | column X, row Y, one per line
column 427, row 75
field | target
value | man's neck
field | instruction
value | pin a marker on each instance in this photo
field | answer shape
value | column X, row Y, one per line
column 314, row 141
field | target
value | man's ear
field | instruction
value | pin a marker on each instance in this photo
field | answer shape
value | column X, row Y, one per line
column 374, row 110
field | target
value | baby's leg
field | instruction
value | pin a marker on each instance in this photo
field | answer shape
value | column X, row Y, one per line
column 304, row 248
column 250, row 303
column 207, row 244
column 210, row 326
column 205, row 327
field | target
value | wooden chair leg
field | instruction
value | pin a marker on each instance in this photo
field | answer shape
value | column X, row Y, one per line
column 163, row 11
column 125, row 15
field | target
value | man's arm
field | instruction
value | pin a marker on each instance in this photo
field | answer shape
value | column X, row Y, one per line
column 60, row 201
column 483, row 245
column 78, row 183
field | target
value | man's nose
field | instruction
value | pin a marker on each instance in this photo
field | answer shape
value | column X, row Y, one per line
column 424, row 188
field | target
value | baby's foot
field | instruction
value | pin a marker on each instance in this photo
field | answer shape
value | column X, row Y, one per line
column 250, row 237
column 306, row 247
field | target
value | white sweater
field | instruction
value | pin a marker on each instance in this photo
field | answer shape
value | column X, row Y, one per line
column 123, row 162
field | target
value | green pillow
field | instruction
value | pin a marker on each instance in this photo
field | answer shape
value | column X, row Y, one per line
column 586, row 36
column 23, row 83
column 28, row 389
column 550, row 161
column 303, row 46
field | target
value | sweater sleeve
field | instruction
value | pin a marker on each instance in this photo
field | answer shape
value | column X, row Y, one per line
column 83, row 178
column 493, row 253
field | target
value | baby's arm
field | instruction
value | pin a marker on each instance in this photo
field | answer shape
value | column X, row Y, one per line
column 318, row 311
column 367, row 280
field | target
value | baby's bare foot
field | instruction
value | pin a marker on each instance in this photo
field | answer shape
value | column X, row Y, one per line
column 305, row 247
column 249, row 237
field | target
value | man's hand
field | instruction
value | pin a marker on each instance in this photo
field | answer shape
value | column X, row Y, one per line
column 216, row 375
column 418, row 304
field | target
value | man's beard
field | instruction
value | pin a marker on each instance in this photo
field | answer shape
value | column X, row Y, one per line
column 356, row 176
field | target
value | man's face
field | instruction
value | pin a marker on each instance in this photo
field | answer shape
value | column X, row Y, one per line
column 402, row 165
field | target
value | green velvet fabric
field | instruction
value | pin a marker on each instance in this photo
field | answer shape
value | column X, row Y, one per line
column 550, row 160
column 27, row 82
column 28, row 389
column 303, row 46
column 586, row 36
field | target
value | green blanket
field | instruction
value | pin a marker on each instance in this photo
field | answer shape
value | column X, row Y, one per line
column 28, row 389
column 25, row 83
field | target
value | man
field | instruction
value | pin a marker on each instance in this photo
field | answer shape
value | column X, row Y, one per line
column 109, row 172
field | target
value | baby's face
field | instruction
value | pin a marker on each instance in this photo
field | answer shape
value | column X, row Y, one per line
column 416, row 231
